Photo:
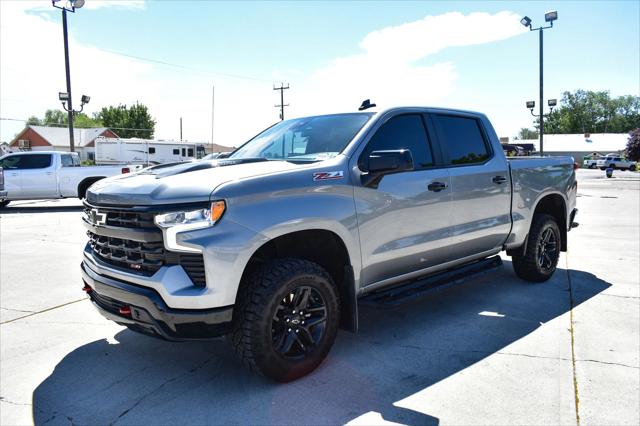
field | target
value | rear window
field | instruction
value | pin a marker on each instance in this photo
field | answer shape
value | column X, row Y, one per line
column 462, row 139
column 25, row 162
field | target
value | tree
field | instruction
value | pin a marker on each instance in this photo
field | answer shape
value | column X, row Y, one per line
column 525, row 134
column 633, row 145
column 122, row 119
column 33, row 121
column 593, row 112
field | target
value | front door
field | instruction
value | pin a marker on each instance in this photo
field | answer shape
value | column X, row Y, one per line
column 404, row 221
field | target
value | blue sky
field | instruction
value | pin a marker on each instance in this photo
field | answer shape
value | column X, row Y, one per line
column 333, row 54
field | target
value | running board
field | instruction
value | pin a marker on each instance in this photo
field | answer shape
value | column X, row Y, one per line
column 420, row 287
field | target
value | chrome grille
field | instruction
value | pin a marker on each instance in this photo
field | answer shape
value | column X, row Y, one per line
column 144, row 258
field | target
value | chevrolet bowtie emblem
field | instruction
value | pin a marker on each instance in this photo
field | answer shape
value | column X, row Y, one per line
column 97, row 218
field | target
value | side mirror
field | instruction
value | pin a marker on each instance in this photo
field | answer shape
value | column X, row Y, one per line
column 382, row 163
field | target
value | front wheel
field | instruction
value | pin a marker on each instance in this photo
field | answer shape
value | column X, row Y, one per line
column 4, row 203
column 543, row 250
column 287, row 319
column 592, row 166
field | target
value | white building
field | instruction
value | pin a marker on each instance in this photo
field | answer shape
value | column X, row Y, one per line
column 580, row 145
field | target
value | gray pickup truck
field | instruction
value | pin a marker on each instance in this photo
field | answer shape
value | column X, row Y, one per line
column 274, row 246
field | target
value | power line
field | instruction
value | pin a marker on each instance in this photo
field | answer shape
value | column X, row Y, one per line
column 282, row 104
column 64, row 125
column 157, row 61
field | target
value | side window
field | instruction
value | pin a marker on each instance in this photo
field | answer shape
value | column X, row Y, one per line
column 12, row 162
column 189, row 152
column 35, row 161
column 184, row 152
column 67, row 161
column 152, row 150
column 176, row 151
column 462, row 139
column 401, row 132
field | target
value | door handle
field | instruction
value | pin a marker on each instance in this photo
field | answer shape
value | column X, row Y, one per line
column 49, row 173
column 499, row 179
column 437, row 186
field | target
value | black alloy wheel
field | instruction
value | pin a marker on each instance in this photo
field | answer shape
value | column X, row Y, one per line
column 299, row 322
column 547, row 250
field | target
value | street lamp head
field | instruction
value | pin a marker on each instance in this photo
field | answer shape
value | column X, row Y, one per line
column 551, row 16
column 531, row 104
column 552, row 102
column 85, row 99
column 526, row 21
column 63, row 96
column 77, row 4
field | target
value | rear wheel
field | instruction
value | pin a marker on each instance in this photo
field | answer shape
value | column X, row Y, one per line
column 287, row 319
column 4, row 203
column 542, row 251
column 592, row 166
column 632, row 167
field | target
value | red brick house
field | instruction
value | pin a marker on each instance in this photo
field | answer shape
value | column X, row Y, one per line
column 44, row 138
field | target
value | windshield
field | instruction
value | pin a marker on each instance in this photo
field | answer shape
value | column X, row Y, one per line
column 304, row 139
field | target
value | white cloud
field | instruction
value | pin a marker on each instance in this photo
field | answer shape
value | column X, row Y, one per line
column 392, row 68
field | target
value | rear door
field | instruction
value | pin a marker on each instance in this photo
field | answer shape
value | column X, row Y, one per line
column 403, row 224
column 38, row 175
column 480, row 183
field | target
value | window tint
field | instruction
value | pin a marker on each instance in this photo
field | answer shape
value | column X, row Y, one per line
column 176, row 152
column 36, row 161
column 67, row 161
column 152, row 150
column 462, row 139
column 401, row 132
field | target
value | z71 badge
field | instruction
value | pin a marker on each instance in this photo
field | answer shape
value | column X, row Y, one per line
column 328, row 175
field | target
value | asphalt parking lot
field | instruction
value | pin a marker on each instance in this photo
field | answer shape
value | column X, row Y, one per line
column 494, row 350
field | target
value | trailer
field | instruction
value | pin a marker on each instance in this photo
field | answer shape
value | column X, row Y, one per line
column 145, row 151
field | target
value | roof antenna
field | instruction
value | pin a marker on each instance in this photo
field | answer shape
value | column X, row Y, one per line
column 366, row 104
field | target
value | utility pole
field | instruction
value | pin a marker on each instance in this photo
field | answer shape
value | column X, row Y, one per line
column 282, row 88
column 180, row 129
column 66, row 64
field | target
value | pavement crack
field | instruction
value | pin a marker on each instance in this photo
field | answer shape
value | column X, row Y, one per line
column 43, row 311
column 573, row 341
column 16, row 310
column 157, row 388
column 3, row 399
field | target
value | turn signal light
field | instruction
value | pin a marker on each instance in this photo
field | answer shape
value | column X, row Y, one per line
column 126, row 170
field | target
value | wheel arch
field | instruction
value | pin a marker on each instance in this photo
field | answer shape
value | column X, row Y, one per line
column 555, row 205
column 319, row 245
column 85, row 183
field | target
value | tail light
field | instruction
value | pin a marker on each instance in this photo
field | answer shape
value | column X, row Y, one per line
column 576, row 166
column 126, row 170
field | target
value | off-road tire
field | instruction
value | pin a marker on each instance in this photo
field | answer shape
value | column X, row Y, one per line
column 4, row 203
column 528, row 266
column 259, row 298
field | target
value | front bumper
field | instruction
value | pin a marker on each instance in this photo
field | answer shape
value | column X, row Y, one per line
column 143, row 310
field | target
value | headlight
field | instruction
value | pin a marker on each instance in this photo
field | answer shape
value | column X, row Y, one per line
column 204, row 217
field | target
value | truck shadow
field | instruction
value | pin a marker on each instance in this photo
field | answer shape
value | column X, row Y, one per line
column 398, row 352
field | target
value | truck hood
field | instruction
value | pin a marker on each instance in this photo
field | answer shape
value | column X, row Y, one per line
column 180, row 183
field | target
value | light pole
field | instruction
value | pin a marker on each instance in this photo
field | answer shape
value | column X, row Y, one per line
column 526, row 21
column 71, row 6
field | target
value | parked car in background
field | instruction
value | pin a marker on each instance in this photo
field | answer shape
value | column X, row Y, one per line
column 49, row 174
column 615, row 161
column 590, row 163
column 274, row 245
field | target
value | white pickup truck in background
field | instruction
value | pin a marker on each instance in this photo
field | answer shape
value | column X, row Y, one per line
column 49, row 174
